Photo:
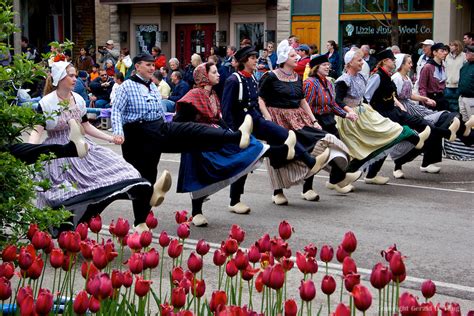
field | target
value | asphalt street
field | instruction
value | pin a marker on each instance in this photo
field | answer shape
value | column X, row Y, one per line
column 429, row 217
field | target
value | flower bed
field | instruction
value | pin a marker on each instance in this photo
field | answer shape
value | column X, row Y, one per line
column 118, row 275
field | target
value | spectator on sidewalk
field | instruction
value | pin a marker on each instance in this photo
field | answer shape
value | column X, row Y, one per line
column 118, row 79
column 369, row 59
column 84, row 61
column 160, row 59
column 181, row 87
column 163, row 86
column 31, row 52
column 453, row 63
column 466, row 85
column 303, row 52
column 124, row 63
column 81, row 86
column 110, row 68
column 101, row 89
column 426, row 48
column 165, row 72
column 468, row 38
column 174, row 66
column 334, row 59
column 109, row 52
column 188, row 71
column 264, row 64
column 272, row 54
column 94, row 73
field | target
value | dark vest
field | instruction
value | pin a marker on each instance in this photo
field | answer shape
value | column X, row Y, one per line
column 383, row 100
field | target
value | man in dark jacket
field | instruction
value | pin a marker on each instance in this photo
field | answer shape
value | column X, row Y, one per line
column 101, row 88
column 466, row 86
column 179, row 90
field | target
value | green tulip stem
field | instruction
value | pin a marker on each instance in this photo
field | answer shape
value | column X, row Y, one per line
column 398, row 294
column 263, row 299
column 393, row 297
column 350, row 303
column 342, row 288
column 387, row 299
column 219, row 278
column 327, row 269
column 380, row 301
column 161, row 271
column 97, row 237
column 182, row 252
column 284, row 284
column 250, row 294
column 194, row 290
column 301, row 307
column 44, row 268
column 329, row 305
column 120, row 263
column 240, row 289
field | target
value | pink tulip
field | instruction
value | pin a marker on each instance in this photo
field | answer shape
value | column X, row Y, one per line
column 452, row 309
column 178, row 297
column 349, row 266
column 135, row 263
column 181, row 217
column 127, row 279
column 194, row 262
column 237, row 233
column 326, row 254
column 428, row 289
column 342, row 310
column 254, row 254
column 41, row 240
column 285, row 230
column 82, row 229
column 230, row 246
column 175, row 249
column 218, row 298
column 94, row 304
column 380, row 276
column 310, row 250
column 151, row 221
column 408, row 304
column 5, row 289
column 151, row 259
column 328, row 285
column 241, row 260
column 219, row 257
column 341, row 253
column 388, row 253
column 133, row 241
column 362, row 297
column 263, row 243
column 278, row 247
column 99, row 257
column 145, row 238
column 121, row 228
column 397, row 266
column 25, row 259
column 349, row 243
column 81, row 303
column 183, row 230
column 202, row 247
column 307, row 290
column 177, row 274
column 95, row 224
column 34, row 271
column 9, row 253
column 164, row 240
column 351, row 280
column 7, row 270
column 142, row 287
column 117, row 279
column 291, row 308
column 32, row 229
column 231, row 269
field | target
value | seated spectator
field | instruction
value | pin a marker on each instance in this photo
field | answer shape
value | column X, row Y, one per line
column 188, row 72
column 84, row 61
column 303, row 51
column 81, row 86
column 180, row 89
column 174, row 66
column 124, row 64
column 163, row 87
column 101, row 89
column 160, row 59
column 94, row 73
column 118, row 79
column 264, row 64
column 165, row 72
column 110, row 68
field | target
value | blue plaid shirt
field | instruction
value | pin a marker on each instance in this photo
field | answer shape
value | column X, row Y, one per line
column 134, row 102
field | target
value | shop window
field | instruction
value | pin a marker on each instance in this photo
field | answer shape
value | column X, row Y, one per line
column 305, row 7
column 360, row 6
column 374, row 5
column 147, row 37
column 422, row 5
column 403, row 5
column 349, row 6
column 253, row 31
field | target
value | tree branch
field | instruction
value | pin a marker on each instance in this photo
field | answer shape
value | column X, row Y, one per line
column 374, row 16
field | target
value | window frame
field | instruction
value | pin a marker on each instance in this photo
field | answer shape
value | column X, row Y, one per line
column 385, row 8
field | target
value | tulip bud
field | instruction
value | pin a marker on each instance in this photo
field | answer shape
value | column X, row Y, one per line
column 349, row 266
column 328, row 285
column 27, row 306
column 408, row 304
column 127, row 279
column 151, row 221
column 218, row 298
column 397, row 266
column 135, row 263
column 451, row 309
column 9, row 253
column 41, row 240
column 95, row 224
column 44, row 302
column 241, row 260
column 231, row 269
column 34, row 271
column 99, row 257
column 263, row 243
column 112, row 228
column 428, row 289
column 23, row 293
column 278, row 247
column 219, row 257
column 362, row 297
column 151, row 259
column 291, row 309
column 326, row 254
column 237, row 233
column 202, row 247
column 145, row 238
column 310, row 250
column 199, row 288
column 164, row 240
column 230, row 246
column 88, row 270
column 342, row 310
column 81, row 303
column 177, row 274
column 86, row 249
column 7, row 270
column 341, row 254
column 254, row 254
column 117, row 279
column 181, row 217
column 5, row 289
column 277, row 277
column 285, row 230
column 307, row 290
column 351, row 280
column 25, row 259
column 142, row 287
column 31, row 231
column 121, row 228
column 287, row 264
column 175, row 249
column 194, row 262
column 82, row 229
column 380, row 276
column 133, row 241
column 178, row 297
column 349, row 243
column 94, row 305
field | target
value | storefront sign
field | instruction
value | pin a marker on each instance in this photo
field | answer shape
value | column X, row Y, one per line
column 352, row 30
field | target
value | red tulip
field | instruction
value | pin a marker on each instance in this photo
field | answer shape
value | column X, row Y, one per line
column 25, row 259
column 121, row 228
column 7, row 270
column 389, row 252
column 362, row 297
column 99, row 257
column 259, row 282
column 41, row 240
column 307, row 290
column 241, row 260
column 178, row 297
column 237, row 233
column 142, row 287
column 133, row 241
column 110, row 250
column 72, row 241
column 177, row 274
column 82, row 229
column 397, row 266
column 181, row 217
column 31, row 231
column 151, row 221
column 88, row 270
column 185, row 283
column 341, row 254
column 219, row 257
column 219, row 298
column 452, row 309
column 263, row 243
column 310, row 250
column 230, row 246
column 199, row 288
column 112, row 228
column 326, row 254
column 44, row 302
column 81, row 303
column 400, row 278
column 342, row 310
column 194, row 263
column 351, row 280
column 278, row 247
column 349, row 243
column 306, row 264
column 231, row 269
column 408, row 304
column 349, row 266
column 254, row 254
column 94, row 305
column 27, row 306
column 9, row 253
column 5, row 289
column 86, row 248
column 328, row 285
column 151, row 259
column 277, row 277
column 166, row 310
column 248, row 273
column 291, row 309
column 428, row 289
column 285, row 230
column 105, row 288
column 146, row 238
column 23, row 293
column 287, row 264
column 95, row 224
column 34, row 271
column 380, row 276
column 428, row 309
column 164, row 240
column 117, row 279
column 175, row 249
column 202, row 247
column 135, row 263
column 127, row 279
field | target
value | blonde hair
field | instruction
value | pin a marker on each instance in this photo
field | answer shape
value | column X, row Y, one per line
column 459, row 44
column 196, row 60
